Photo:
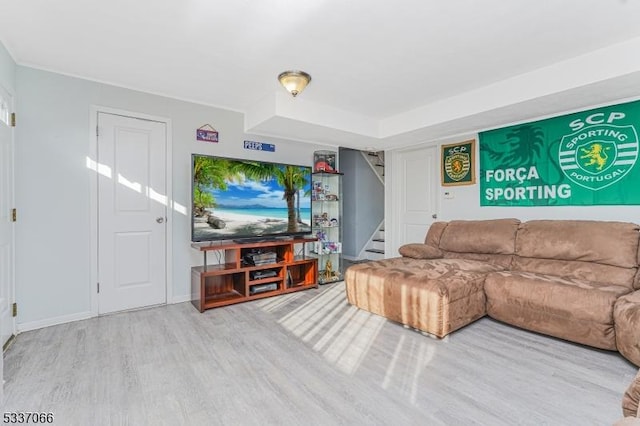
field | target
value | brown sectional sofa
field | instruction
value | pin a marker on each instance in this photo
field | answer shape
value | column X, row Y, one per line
column 576, row 280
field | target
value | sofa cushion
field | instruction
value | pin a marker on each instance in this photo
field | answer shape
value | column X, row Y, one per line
column 572, row 309
column 428, row 268
column 434, row 233
column 587, row 271
column 631, row 399
column 626, row 315
column 420, row 251
column 480, row 236
column 609, row 243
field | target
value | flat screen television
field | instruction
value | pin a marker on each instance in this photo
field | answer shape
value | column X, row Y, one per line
column 236, row 199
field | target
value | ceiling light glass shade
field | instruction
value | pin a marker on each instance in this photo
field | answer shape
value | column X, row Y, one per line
column 294, row 81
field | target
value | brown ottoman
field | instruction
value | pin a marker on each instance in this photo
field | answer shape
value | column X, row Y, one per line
column 437, row 296
column 626, row 316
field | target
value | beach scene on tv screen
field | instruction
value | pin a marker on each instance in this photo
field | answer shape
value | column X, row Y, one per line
column 236, row 198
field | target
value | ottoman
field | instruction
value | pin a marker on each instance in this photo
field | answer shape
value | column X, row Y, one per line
column 437, row 296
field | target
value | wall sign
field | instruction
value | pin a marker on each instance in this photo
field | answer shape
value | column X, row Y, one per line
column 259, row 146
column 586, row 158
column 207, row 133
column 458, row 163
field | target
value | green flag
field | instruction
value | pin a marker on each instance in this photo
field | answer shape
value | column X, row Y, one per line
column 586, row 158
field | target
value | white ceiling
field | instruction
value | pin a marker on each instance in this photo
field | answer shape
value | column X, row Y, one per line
column 385, row 73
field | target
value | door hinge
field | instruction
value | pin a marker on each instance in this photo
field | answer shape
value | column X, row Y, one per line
column 14, row 215
column 14, row 309
column 97, row 131
column 98, row 288
column 13, row 119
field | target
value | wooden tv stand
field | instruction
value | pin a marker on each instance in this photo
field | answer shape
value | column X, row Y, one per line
column 235, row 281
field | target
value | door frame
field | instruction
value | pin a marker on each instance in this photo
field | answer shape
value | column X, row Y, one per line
column 94, row 110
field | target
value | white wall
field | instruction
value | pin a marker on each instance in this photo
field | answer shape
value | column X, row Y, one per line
column 466, row 205
column 53, row 185
column 7, row 70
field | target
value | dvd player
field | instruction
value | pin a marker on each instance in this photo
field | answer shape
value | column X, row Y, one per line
column 261, row 258
column 258, row 275
column 261, row 288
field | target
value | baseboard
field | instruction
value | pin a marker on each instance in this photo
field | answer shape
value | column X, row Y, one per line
column 35, row 325
column 352, row 258
column 181, row 299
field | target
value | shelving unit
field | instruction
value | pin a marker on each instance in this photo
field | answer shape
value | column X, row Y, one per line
column 236, row 281
column 326, row 221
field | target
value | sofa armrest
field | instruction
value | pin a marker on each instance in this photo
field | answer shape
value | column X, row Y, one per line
column 631, row 398
column 626, row 318
column 628, row 421
column 420, row 251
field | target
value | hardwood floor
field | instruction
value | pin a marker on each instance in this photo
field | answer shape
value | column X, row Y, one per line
column 305, row 358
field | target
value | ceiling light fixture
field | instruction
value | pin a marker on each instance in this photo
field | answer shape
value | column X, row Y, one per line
column 294, row 81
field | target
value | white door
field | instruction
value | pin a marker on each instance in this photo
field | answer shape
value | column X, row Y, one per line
column 414, row 194
column 7, row 323
column 132, row 211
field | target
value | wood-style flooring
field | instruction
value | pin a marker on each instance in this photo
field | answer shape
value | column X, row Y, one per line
column 307, row 358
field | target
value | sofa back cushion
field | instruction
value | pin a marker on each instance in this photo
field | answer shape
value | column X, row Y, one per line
column 587, row 271
column 608, row 243
column 491, row 241
column 480, row 236
column 586, row 250
column 434, row 233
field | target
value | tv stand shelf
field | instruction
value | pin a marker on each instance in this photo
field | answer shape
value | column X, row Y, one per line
column 235, row 281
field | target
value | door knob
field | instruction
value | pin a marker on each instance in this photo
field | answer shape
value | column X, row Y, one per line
column 160, row 219
column 435, row 216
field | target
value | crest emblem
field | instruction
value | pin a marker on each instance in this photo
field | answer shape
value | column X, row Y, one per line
column 457, row 166
column 598, row 156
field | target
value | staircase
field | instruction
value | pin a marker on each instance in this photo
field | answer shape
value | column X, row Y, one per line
column 374, row 249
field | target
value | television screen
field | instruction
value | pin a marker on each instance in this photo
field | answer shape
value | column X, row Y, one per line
column 237, row 199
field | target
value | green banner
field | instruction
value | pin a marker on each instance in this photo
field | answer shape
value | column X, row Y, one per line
column 586, row 158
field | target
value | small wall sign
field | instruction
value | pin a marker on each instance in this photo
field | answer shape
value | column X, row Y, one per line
column 259, row 146
column 207, row 133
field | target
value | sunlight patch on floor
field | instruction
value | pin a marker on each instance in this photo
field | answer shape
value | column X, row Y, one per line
column 272, row 304
column 316, row 310
column 342, row 333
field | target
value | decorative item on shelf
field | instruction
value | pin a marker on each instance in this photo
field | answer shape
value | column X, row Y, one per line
column 328, row 270
column 323, row 220
column 294, row 81
column 207, row 133
column 328, row 274
column 324, row 161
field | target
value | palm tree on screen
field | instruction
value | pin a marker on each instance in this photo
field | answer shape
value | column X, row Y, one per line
column 212, row 173
column 290, row 178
